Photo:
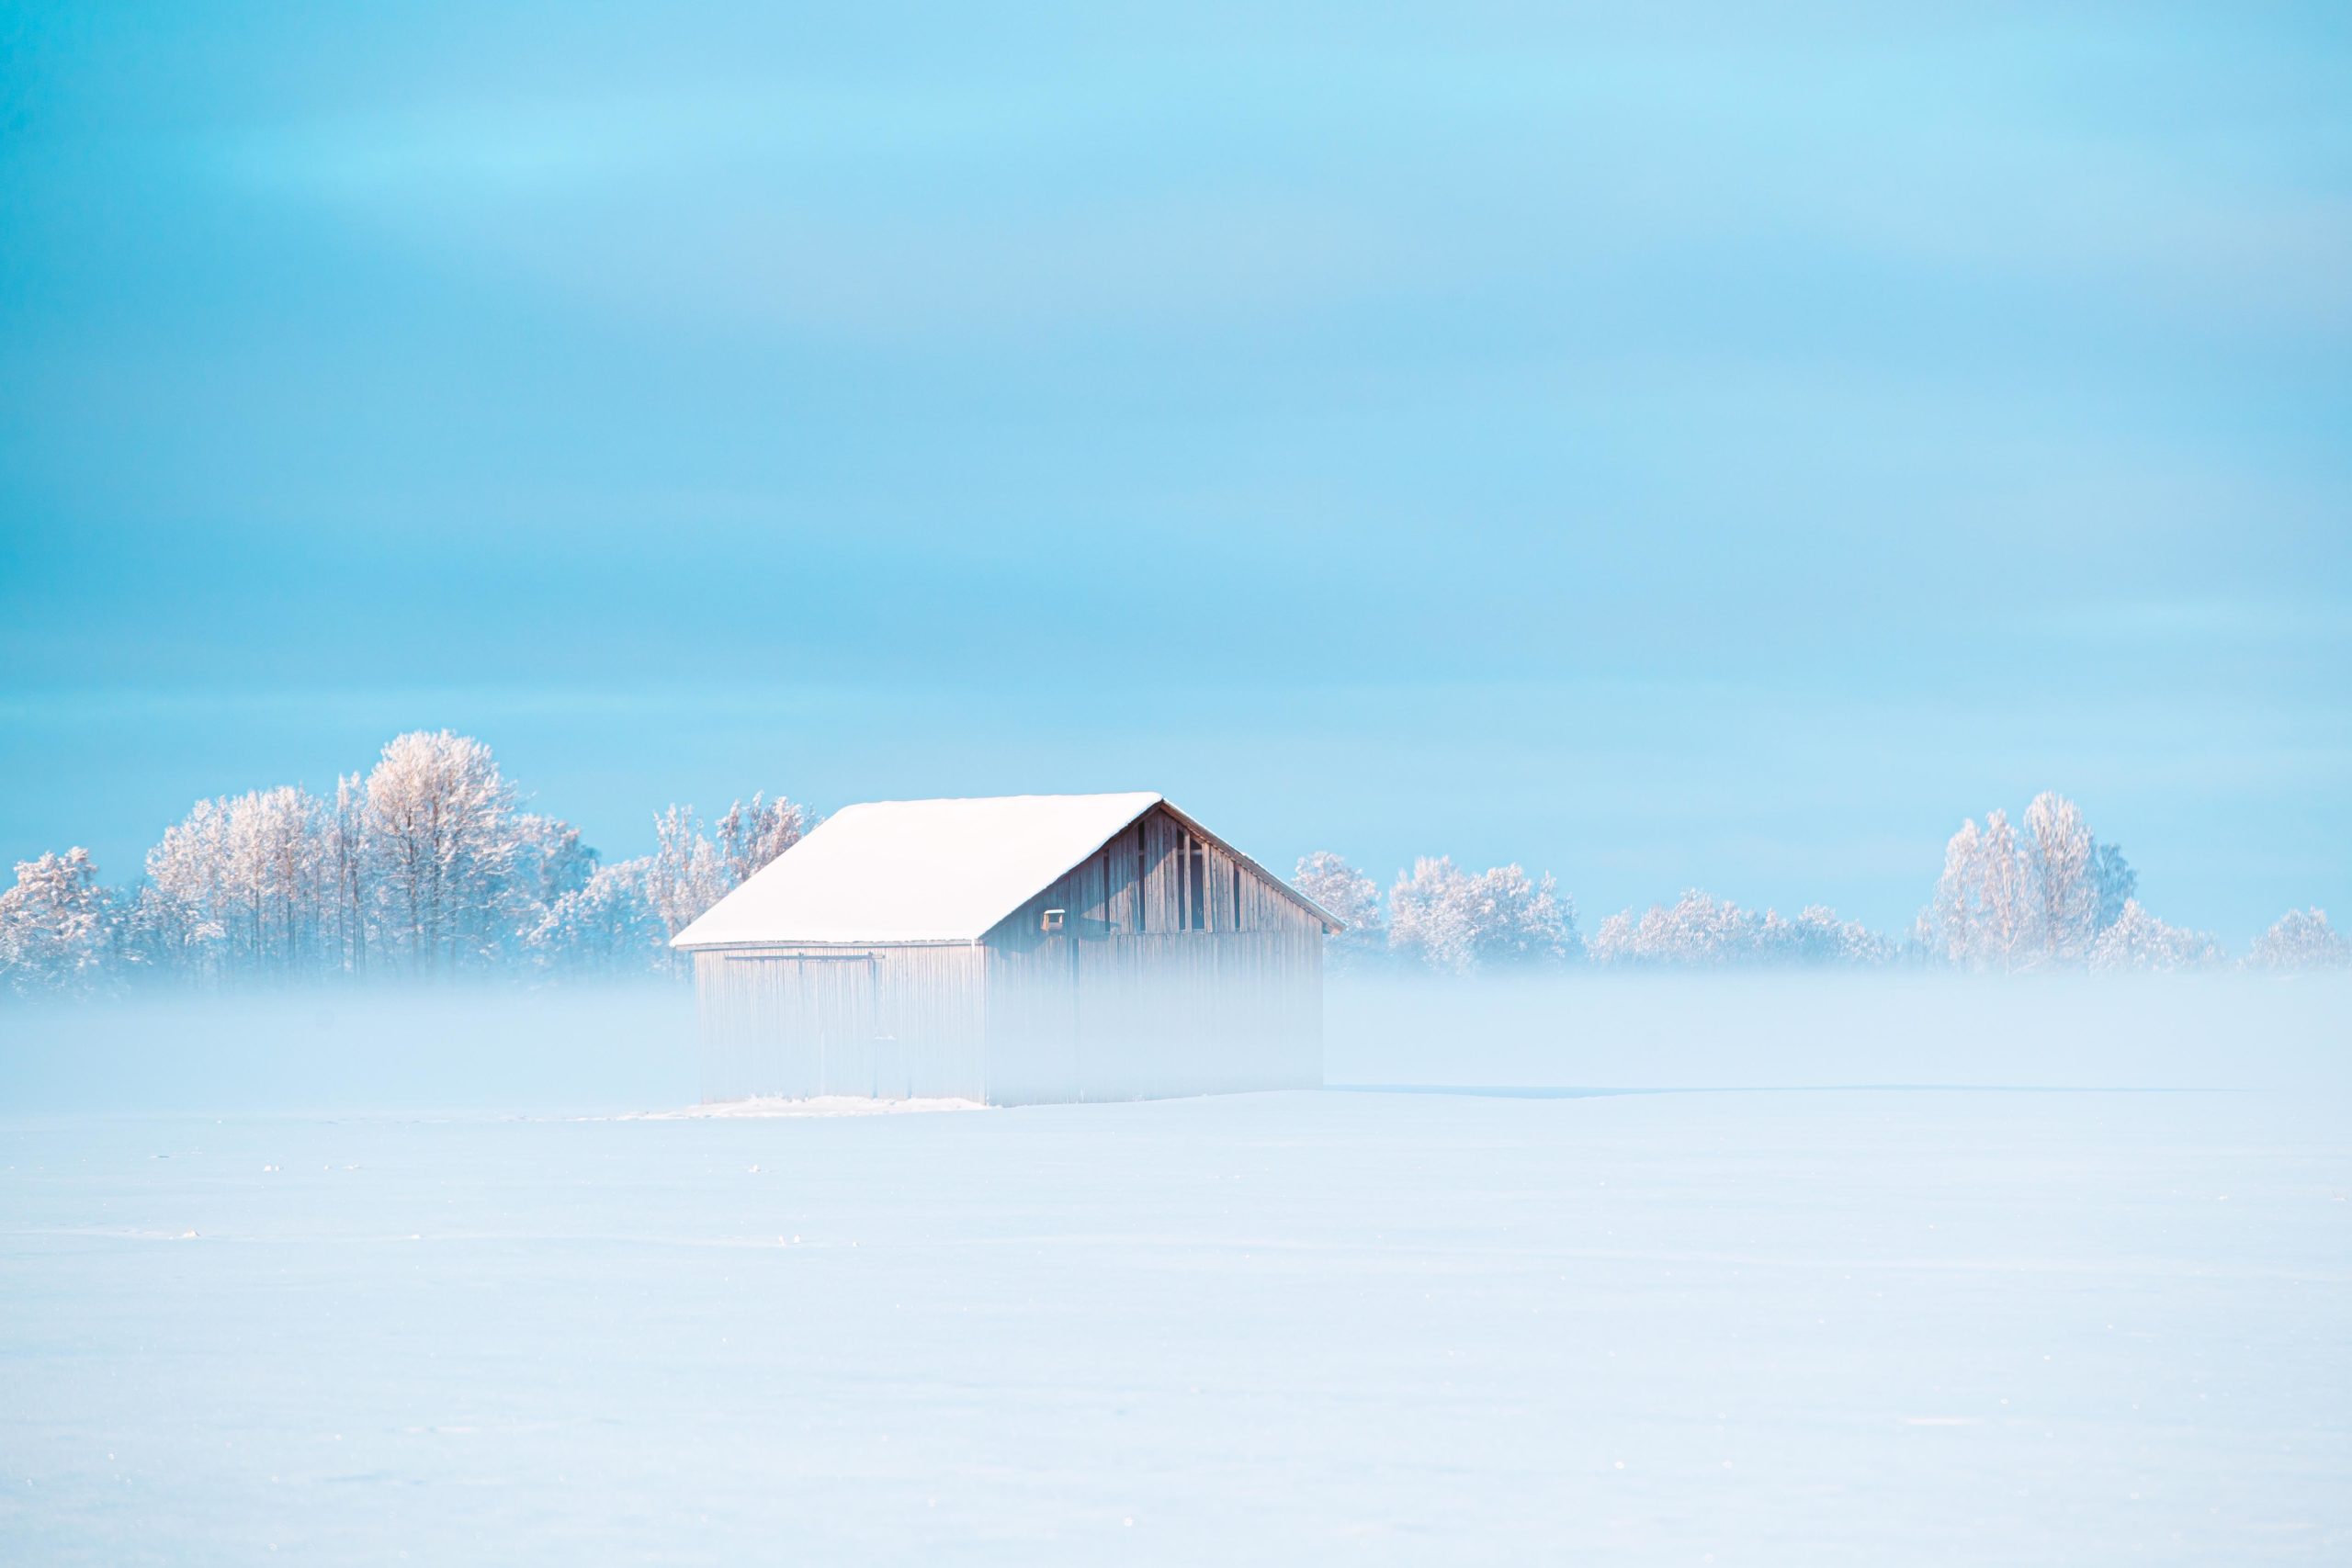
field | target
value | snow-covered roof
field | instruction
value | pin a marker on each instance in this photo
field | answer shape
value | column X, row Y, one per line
column 919, row 870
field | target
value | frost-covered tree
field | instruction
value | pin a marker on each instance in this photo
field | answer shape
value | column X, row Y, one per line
column 2007, row 904
column 2115, row 882
column 607, row 925
column 1350, row 896
column 550, row 862
column 2007, row 901
column 2137, row 940
column 441, row 820
column 2050, row 898
column 684, row 875
column 753, row 833
column 1949, row 924
column 1818, row 937
column 2302, row 940
column 179, row 921
column 350, row 859
column 688, row 872
column 242, row 885
column 167, row 936
column 1429, row 916
column 426, row 865
column 1698, row 931
column 277, row 839
column 1617, row 940
column 2063, row 884
column 426, row 859
column 1460, row 923
column 1985, row 907
column 56, row 927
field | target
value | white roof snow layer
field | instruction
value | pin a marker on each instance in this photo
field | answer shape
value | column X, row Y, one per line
column 915, row 869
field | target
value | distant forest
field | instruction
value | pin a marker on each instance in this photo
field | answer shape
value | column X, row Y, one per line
column 428, row 865
column 2049, row 896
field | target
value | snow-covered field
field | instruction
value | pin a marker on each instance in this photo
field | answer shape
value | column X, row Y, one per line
column 1795, row 1327
column 1801, row 1324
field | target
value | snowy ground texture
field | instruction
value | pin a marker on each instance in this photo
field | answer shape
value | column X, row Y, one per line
column 1806, row 1327
column 817, row 1105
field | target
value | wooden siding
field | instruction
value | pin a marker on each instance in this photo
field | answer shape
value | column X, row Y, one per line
column 1152, row 987
column 1103, row 898
column 1225, row 998
column 885, row 1022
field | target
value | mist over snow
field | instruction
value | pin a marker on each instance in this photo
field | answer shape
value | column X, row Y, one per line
column 1801, row 1029
column 611, row 1047
column 480, row 1047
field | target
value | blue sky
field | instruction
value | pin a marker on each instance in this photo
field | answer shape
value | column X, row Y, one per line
column 1657, row 445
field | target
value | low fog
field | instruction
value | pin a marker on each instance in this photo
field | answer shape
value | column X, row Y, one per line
column 486, row 1047
column 613, row 1047
column 1820, row 1031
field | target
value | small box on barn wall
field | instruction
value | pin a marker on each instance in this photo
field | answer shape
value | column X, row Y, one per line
column 1012, row 949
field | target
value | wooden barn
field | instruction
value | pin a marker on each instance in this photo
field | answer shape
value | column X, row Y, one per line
column 1013, row 951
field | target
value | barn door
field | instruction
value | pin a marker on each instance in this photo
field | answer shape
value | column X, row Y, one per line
column 819, row 1016
column 840, row 993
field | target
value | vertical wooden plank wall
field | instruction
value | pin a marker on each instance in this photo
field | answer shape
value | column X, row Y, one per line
column 1102, row 897
column 1106, row 1010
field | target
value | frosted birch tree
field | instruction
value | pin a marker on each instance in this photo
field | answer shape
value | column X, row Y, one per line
column 607, row 925
column 1951, row 914
column 1429, row 916
column 1985, row 907
column 1350, row 896
column 2137, row 940
column 1699, row 930
column 752, row 834
column 165, row 936
column 1696, row 930
column 178, row 916
column 688, row 872
column 441, row 820
column 2063, row 885
column 2006, row 904
column 1461, row 923
column 2115, row 882
column 241, row 886
column 550, row 861
column 56, row 927
column 280, row 874
column 2300, row 939
column 1617, row 940
column 1817, row 936
column 427, row 864
column 351, row 886
column 684, row 875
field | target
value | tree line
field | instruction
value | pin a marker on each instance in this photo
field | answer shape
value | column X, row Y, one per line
column 429, row 866
column 2051, row 897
